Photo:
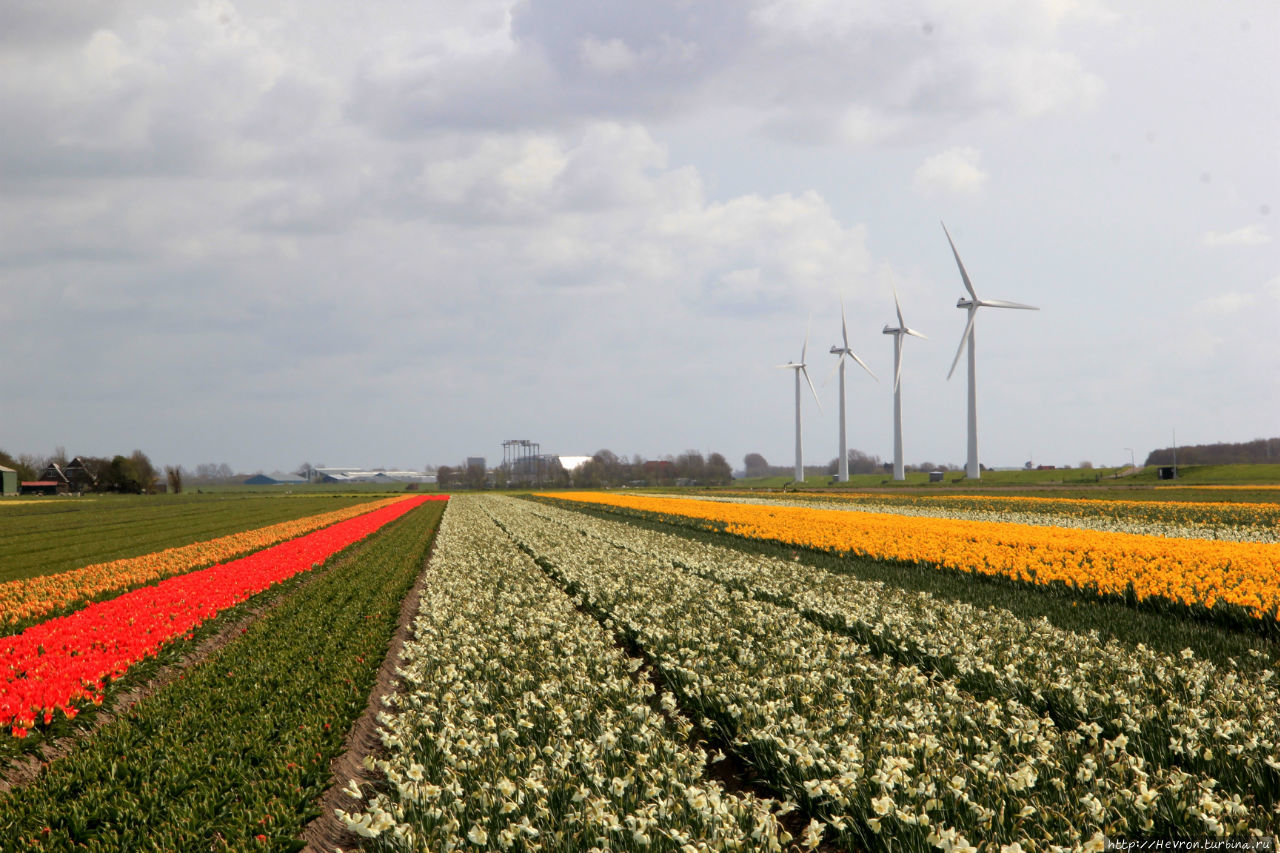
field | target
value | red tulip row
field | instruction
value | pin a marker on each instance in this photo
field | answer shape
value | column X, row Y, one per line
column 62, row 663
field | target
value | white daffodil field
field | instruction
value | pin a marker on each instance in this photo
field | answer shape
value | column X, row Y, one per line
column 576, row 682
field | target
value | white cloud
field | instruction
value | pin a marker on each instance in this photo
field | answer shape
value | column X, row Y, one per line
column 1227, row 303
column 1249, row 235
column 608, row 57
column 955, row 171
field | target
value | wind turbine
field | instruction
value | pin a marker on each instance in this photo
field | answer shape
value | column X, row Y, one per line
column 800, row 367
column 972, row 305
column 902, row 329
column 840, row 353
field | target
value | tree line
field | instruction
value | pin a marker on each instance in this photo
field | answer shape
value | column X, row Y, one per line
column 1260, row 450
column 132, row 474
column 604, row 469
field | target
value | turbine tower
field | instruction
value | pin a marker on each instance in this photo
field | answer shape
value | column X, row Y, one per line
column 800, row 367
column 840, row 352
column 902, row 329
column 972, row 305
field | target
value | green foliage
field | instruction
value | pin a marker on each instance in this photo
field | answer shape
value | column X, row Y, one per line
column 240, row 747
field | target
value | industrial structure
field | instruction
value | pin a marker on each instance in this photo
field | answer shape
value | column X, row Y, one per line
column 523, row 462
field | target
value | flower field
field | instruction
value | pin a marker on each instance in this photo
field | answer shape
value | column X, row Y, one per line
column 885, row 716
column 522, row 726
column 1240, row 522
column 625, row 673
column 56, row 665
column 1234, row 577
column 235, row 754
column 27, row 600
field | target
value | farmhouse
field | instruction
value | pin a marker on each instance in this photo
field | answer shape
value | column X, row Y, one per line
column 80, row 478
column 54, row 474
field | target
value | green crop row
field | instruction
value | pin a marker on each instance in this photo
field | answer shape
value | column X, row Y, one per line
column 234, row 755
column 53, row 534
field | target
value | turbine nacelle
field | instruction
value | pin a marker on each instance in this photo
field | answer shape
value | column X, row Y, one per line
column 973, row 304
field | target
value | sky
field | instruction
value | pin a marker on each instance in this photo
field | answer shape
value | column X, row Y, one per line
column 397, row 233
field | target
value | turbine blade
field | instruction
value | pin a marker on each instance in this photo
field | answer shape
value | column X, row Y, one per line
column 833, row 371
column 804, row 349
column 968, row 285
column 964, row 339
column 864, row 365
column 916, row 334
column 811, row 388
column 902, row 324
column 1000, row 303
column 844, row 327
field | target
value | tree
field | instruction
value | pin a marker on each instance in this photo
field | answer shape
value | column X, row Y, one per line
column 718, row 471
column 755, row 465
column 445, row 476
column 474, row 475
column 1086, row 464
column 143, row 471
column 121, row 476
column 306, row 470
column 690, row 466
column 25, row 472
column 173, row 474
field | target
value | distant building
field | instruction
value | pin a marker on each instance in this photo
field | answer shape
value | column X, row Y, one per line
column 80, row 478
column 39, row 487
column 275, row 478
column 475, row 461
column 53, row 473
column 8, row 481
column 366, row 475
column 572, row 463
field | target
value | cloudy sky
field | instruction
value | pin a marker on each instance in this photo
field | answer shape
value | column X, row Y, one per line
column 397, row 233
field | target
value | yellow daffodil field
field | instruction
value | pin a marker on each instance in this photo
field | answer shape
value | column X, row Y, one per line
column 579, row 679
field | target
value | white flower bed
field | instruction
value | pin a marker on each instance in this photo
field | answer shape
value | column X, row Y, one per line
column 1221, row 719
column 521, row 726
column 882, row 749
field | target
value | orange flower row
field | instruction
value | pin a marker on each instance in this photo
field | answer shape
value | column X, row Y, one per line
column 29, row 599
column 1188, row 571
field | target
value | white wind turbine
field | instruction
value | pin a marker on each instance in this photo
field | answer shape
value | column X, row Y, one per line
column 971, row 468
column 902, row 329
column 800, row 367
column 840, row 352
